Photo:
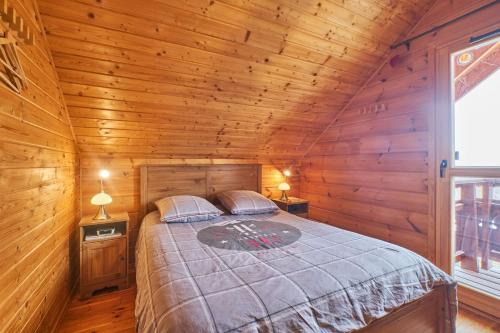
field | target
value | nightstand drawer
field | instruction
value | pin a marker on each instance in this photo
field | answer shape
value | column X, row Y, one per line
column 104, row 260
column 298, row 208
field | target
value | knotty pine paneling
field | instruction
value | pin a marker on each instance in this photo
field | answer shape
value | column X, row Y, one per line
column 240, row 79
column 124, row 182
column 372, row 171
column 39, row 187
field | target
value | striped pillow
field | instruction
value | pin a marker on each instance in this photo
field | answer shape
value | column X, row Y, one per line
column 186, row 208
column 246, row 202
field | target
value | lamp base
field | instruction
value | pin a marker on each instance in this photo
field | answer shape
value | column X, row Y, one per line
column 102, row 214
column 284, row 197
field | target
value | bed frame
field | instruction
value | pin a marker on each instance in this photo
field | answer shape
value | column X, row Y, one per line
column 425, row 315
column 159, row 181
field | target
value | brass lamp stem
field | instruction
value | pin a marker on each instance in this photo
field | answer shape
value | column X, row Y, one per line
column 284, row 197
column 102, row 214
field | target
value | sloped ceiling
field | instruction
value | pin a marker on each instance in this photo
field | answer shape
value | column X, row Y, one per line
column 215, row 78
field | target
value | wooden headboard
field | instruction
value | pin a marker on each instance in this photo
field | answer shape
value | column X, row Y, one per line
column 159, row 181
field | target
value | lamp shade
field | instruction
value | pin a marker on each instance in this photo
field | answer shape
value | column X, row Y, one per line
column 284, row 187
column 101, row 199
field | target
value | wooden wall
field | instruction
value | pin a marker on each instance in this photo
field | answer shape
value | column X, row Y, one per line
column 38, row 186
column 215, row 79
column 123, row 184
column 203, row 80
column 372, row 171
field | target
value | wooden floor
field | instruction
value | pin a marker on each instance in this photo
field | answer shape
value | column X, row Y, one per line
column 114, row 312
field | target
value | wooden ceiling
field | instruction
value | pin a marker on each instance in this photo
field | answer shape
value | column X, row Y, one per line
column 215, row 78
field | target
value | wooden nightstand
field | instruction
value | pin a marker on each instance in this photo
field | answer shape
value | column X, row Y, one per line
column 103, row 259
column 296, row 206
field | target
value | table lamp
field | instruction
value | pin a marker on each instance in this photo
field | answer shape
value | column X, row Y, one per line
column 283, row 187
column 101, row 199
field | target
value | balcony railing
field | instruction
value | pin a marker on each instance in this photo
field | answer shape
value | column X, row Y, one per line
column 477, row 226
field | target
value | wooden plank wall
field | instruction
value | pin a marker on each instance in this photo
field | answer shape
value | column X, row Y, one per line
column 373, row 170
column 215, row 79
column 38, row 186
column 200, row 79
column 124, row 182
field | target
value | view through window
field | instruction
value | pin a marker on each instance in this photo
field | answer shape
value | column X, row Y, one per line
column 476, row 134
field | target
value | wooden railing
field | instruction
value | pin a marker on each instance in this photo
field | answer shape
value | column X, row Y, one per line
column 477, row 216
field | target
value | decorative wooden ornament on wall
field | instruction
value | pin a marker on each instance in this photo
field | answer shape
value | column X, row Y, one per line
column 15, row 23
column 11, row 71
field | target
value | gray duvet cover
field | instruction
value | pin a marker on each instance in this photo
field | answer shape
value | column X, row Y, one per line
column 273, row 273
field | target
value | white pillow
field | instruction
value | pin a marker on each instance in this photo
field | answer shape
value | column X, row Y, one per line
column 186, row 208
column 246, row 202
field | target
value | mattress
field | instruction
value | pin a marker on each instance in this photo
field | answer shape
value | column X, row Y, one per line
column 273, row 273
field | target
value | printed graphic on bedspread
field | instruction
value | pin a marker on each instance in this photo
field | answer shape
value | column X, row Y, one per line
column 249, row 235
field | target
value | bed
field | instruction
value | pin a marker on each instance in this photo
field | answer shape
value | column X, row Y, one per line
column 192, row 278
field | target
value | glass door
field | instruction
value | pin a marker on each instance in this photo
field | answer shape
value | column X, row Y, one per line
column 473, row 166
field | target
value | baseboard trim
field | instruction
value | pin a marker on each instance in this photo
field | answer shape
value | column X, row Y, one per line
column 479, row 302
column 478, row 312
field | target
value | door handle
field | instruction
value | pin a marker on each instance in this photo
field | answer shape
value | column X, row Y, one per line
column 442, row 168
